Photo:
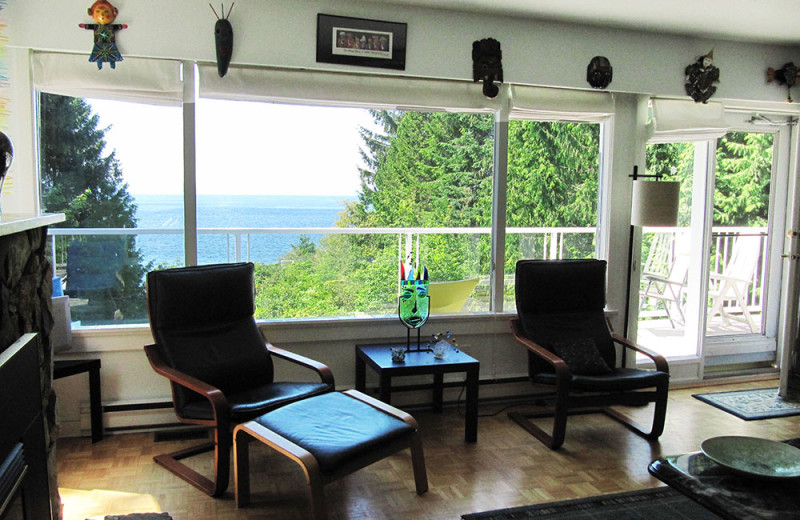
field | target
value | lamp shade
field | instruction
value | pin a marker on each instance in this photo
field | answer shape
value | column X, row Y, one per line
column 655, row 203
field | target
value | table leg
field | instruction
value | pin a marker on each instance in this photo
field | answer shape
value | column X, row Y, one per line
column 471, row 426
column 438, row 391
column 361, row 374
column 95, row 404
column 385, row 388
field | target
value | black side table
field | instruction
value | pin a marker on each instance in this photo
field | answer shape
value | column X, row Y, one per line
column 68, row 368
column 379, row 358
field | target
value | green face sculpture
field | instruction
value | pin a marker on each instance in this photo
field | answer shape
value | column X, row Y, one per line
column 414, row 303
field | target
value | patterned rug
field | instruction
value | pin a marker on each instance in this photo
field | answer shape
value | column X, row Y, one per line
column 645, row 504
column 139, row 516
column 762, row 403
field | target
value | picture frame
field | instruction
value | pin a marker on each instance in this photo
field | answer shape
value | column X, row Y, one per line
column 362, row 42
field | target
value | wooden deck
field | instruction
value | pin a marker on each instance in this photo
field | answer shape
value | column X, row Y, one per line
column 668, row 338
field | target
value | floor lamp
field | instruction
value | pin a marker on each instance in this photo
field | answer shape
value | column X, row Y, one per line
column 654, row 204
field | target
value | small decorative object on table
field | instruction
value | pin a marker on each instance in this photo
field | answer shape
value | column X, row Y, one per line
column 398, row 354
column 414, row 302
column 443, row 344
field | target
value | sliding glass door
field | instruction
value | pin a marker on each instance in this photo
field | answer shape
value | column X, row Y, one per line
column 710, row 288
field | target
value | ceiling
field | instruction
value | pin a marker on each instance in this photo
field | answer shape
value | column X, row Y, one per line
column 766, row 21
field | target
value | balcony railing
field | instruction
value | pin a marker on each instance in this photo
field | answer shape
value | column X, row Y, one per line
column 240, row 242
column 164, row 247
column 738, row 271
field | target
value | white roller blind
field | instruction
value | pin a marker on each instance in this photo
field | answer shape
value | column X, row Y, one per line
column 539, row 104
column 156, row 82
column 343, row 89
column 684, row 120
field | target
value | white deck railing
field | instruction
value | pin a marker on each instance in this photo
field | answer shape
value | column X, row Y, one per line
column 240, row 240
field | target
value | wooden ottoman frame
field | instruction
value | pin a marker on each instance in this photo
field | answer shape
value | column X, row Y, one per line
column 247, row 432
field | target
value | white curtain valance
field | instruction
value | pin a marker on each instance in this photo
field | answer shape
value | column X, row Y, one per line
column 683, row 120
column 156, row 82
column 548, row 104
column 342, row 89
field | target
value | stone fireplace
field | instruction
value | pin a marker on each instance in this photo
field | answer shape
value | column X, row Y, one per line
column 25, row 291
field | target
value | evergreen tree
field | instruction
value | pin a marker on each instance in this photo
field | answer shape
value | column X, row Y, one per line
column 80, row 180
column 742, row 185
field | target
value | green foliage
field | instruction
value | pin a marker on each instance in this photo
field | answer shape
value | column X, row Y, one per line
column 434, row 170
column 744, row 168
column 87, row 185
column 741, row 181
column 553, row 175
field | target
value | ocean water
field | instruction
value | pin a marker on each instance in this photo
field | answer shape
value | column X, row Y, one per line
column 232, row 211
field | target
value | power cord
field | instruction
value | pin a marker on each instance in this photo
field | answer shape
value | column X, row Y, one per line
column 539, row 400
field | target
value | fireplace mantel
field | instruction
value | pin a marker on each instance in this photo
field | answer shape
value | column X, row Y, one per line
column 11, row 223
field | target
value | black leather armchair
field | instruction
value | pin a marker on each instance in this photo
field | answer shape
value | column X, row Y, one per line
column 220, row 367
column 561, row 321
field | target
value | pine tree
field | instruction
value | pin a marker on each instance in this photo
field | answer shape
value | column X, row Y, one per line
column 87, row 185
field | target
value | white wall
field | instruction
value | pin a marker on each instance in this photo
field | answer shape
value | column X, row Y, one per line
column 283, row 34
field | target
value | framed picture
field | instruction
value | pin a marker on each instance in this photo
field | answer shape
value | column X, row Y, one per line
column 357, row 41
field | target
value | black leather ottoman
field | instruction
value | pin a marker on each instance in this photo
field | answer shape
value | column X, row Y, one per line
column 330, row 436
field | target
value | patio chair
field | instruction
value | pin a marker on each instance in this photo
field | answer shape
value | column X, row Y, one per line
column 450, row 296
column 668, row 291
column 221, row 369
column 562, row 323
column 728, row 290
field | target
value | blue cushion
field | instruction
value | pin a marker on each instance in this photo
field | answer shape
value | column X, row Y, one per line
column 335, row 428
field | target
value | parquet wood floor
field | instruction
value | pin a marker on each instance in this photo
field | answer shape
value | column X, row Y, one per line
column 506, row 468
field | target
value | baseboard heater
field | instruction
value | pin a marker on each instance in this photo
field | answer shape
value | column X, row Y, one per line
column 136, row 407
column 174, row 430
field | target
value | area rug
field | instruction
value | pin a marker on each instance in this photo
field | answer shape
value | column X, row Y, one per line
column 761, row 403
column 661, row 503
column 139, row 516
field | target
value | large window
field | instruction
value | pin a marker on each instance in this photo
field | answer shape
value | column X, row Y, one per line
column 552, row 194
column 326, row 196
column 107, row 166
column 278, row 176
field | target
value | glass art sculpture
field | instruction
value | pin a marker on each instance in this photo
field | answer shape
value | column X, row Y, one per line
column 414, row 302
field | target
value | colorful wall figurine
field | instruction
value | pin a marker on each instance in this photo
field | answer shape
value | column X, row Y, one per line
column 487, row 65
column 105, row 41
column 223, row 39
column 786, row 75
column 700, row 78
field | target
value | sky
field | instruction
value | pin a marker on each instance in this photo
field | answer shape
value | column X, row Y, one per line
column 243, row 148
